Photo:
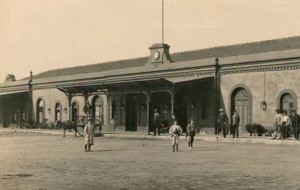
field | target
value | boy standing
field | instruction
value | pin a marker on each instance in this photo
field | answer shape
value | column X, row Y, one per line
column 89, row 135
column 190, row 133
column 175, row 132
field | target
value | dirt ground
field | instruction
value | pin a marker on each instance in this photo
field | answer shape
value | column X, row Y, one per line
column 37, row 161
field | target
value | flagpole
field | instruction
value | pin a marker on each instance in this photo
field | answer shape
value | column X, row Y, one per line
column 162, row 21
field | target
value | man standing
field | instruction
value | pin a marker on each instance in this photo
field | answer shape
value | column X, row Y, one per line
column 277, row 124
column 175, row 132
column 295, row 120
column 285, row 123
column 89, row 135
column 156, row 122
column 235, row 124
column 190, row 133
column 222, row 121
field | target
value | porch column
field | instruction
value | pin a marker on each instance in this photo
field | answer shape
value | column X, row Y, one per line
column 70, row 96
column 216, row 94
column 172, row 102
column 29, row 115
column 111, row 120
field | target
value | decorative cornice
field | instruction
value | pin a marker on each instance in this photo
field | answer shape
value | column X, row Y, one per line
column 259, row 69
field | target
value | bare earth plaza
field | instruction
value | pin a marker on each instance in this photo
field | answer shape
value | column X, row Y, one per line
column 43, row 161
column 186, row 99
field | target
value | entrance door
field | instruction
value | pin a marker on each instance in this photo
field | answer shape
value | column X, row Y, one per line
column 131, row 114
column 241, row 103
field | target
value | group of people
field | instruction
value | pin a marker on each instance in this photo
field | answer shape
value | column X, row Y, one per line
column 286, row 125
column 175, row 130
column 282, row 122
column 223, row 123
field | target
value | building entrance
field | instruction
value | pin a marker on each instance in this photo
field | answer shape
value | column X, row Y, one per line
column 131, row 113
column 241, row 103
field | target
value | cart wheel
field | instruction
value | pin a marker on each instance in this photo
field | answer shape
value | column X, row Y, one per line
column 80, row 129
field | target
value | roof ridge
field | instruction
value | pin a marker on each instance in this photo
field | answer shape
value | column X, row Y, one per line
column 277, row 44
column 236, row 45
column 93, row 64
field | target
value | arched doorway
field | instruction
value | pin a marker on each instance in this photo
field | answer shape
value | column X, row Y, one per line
column 131, row 112
column 241, row 101
column 40, row 111
column 287, row 102
column 75, row 110
column 58, row 112
column 97, row 108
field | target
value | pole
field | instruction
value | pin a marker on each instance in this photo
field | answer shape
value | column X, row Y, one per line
column 216, row 88
column 162, row 12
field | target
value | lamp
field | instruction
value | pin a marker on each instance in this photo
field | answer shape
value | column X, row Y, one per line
column 49, row 110
column 263, row 105
column 65, row 110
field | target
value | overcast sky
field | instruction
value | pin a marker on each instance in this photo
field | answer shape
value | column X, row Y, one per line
column 40, row 35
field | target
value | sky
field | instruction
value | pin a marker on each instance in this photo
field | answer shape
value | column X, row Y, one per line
column 40, row 35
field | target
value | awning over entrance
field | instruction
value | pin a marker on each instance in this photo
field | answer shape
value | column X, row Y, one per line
column 140, row 84
column 126, row 85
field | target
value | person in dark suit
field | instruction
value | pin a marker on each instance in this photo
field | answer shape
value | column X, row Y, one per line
column 190, row 133
column 222, row 121
column 235, row 124
column 295, row 121
column 156, row 122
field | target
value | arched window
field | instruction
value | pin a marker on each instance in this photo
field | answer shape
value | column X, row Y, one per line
column 75, row 110
column 58, row 112
column 287, row 102
column 40, row 111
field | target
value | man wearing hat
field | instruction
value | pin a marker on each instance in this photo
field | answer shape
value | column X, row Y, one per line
column 295, row 121
column 222, row 121
column 235, row 124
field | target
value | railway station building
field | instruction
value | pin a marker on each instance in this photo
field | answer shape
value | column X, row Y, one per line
column 253, row 78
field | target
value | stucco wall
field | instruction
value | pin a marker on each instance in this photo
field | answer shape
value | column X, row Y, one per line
column 276, row 82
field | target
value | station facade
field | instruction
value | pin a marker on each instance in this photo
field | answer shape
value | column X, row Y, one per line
column 252, row 78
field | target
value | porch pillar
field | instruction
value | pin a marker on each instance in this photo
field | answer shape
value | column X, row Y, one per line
column 216, row 94
column 70, row 96
column 172, row 102
column 29, row 115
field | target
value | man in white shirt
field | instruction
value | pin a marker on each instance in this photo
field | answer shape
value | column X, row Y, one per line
column 175, row 131
column 277, row 124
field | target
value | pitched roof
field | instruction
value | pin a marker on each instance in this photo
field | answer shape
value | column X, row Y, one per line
column 221, row 51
